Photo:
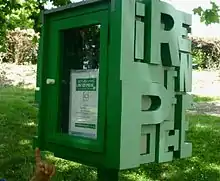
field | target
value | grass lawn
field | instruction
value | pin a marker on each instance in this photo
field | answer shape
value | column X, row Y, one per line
column 18, row 126
column 204, row 99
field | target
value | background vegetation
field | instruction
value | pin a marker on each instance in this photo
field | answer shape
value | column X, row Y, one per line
column 20, row 17
column 206, row 52
column 18, row 126
column 19, row 35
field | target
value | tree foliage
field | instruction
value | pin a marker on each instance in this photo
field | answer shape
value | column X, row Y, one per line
column 26, row 14
column 60, row 2
column 209, row 16
column 18, row 13
column 6, row 7
column 22, row 14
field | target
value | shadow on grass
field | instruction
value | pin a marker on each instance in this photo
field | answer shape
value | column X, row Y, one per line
column 18, row 126
column 4, row 81
column 204, row 165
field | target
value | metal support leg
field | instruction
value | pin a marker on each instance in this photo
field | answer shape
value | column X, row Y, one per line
column 108, row 174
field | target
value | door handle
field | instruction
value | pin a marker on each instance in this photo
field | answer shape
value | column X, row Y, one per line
column 50, row 81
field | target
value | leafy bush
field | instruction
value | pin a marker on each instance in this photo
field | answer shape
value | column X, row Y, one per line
column 2, row 55
column 21, row 46
column 206, row 52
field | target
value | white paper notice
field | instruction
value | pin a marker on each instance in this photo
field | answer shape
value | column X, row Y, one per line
column 84, row 103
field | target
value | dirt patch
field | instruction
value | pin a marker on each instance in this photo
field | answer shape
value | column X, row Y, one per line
column 18, row 75
column 206, row 83
column 208, row 108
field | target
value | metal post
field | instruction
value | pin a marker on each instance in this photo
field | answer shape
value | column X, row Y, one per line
column 108, row 174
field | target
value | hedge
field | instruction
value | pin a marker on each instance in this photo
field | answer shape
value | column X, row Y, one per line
column 22, row 47
column 206, row 52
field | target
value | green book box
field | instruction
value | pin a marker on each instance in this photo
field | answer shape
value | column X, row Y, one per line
column 113, row 82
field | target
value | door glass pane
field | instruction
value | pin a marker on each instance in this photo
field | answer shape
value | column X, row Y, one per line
column 79, row 81
column 82, row 47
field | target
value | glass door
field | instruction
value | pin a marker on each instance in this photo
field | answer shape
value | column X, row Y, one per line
column 79, row 50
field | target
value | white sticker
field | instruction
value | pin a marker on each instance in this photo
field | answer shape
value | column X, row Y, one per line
column 84, row 103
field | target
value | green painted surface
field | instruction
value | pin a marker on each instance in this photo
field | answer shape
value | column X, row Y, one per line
column 140, row 9
column 154, row 85
column 139, row 41
column 145, row 76
column 88, row 84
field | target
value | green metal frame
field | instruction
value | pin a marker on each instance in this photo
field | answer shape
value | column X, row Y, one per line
column 105, row 151
column 57, row 27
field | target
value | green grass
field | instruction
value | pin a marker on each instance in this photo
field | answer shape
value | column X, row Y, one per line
column 197, row 98
column 18, row 126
